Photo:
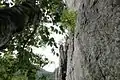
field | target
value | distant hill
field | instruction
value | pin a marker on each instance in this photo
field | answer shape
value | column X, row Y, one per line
column 44, row 75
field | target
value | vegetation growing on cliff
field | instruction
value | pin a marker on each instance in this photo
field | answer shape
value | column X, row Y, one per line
column 68, row 19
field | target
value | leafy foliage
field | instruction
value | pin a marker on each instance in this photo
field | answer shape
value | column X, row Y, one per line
column 12, row 69
column 36, row 34
column 68, row 19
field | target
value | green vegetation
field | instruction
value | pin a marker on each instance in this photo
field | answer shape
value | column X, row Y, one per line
column 68, row 19
column 25, row 63
column 45, row 75
column 17, row 60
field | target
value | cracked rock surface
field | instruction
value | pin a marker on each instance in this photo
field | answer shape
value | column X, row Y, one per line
column 93, row 51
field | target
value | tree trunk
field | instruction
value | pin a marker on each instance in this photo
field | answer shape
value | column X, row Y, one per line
column 94, row 50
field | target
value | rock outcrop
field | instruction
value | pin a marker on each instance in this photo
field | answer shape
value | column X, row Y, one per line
column 93, row 51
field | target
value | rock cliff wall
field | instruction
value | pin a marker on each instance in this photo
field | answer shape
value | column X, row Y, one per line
column 93, row 51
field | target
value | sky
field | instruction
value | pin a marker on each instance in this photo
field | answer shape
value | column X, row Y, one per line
column 46, row 51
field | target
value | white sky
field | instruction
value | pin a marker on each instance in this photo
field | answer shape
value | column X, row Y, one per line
column 47, row 52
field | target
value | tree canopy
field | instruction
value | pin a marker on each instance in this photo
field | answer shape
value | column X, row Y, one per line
column 22, row 26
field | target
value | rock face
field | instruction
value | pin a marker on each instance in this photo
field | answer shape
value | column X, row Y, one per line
column 93, row 51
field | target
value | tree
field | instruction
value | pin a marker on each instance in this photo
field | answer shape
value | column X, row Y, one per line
column 22, row 27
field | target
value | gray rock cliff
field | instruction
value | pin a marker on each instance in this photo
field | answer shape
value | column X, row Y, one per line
column 93, row 52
